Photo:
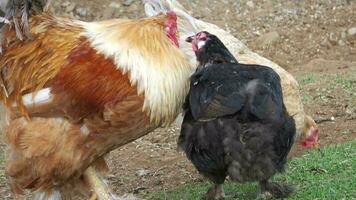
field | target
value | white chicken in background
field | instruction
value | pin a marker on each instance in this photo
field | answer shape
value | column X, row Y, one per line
column 306, row 128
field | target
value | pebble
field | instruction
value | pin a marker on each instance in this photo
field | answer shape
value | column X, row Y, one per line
column 128, row 197
column 341, row 43
column 127, row 2
column 351, row 34
column 268, row 38
column 250, row 4
column 68, row 6
column 114, row 5
column 351, row 31
column 333, row 38
column 81, row 11
column 143, row 172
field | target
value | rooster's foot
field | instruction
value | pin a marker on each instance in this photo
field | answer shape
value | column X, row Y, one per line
column 93, row 197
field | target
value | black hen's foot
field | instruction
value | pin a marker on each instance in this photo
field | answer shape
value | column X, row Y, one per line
column 273, row 189
column 216, row 192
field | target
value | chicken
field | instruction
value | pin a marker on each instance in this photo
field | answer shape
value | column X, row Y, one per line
column 235, row 123
column 76, row 90
column 307, row 129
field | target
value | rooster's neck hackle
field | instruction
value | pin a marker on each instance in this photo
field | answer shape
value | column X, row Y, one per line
column 142, row 49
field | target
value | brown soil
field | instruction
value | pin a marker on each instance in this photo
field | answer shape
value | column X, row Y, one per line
column 308, row 37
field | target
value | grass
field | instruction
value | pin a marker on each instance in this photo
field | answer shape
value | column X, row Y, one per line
column 323, row 88
column 3, row 181
column 344, row 81
column 328, row 173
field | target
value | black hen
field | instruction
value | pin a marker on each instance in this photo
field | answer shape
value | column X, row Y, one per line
column 235, row 123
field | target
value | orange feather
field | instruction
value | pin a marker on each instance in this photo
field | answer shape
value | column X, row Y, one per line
column 101, row 97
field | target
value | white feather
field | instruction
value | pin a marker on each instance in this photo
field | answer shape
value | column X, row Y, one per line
column 47, row 195
column 85, row 130
column 4, row 20
column 200, row 44
column 43, row 96
column 164, row 82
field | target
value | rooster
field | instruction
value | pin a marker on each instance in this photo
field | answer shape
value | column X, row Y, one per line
column 76, row 90
column 307, row 129
column 235, row 123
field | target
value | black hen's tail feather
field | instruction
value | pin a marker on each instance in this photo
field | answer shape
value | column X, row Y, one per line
column 284, row 142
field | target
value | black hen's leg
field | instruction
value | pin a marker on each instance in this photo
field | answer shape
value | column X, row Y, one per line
column 215, row 192
column 273, row 189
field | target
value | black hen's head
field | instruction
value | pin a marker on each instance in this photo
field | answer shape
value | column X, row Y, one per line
column 209, row 49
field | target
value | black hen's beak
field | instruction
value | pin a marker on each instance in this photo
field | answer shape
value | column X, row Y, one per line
column 189, row 39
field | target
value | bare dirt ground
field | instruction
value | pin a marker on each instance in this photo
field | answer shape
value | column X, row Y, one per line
column 313, row 39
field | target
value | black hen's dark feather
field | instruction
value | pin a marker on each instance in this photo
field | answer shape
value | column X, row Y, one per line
column 236, row 123
column 224, row 89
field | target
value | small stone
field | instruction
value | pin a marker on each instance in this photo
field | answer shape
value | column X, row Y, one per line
column 128, row 197
column 81, row 12
column 351, row 31
column 332, row 118
column 143, row 172
column 114, row 5
column 68, row 6
column 250, row 4
column 132, row 8
column 351, row 35
column 325, row 43
column 333, row 38
column 268, row 38
column 343, row 35
column 127, row 2
column 257, row 32
column 65, row 4
column 112, row 10
column 349, row 111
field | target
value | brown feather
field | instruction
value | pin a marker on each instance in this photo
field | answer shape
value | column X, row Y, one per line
column 95, row 108
column 89, row 81
column 28, row 65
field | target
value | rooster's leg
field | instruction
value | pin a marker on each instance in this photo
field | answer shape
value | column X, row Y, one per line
column 96, row 182
column 93, row 197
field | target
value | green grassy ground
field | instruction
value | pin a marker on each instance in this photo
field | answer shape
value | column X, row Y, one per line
column 3, row 182
column 326, row 174
column 329, row 88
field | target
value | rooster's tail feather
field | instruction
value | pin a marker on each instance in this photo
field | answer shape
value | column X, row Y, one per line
column 17, row 13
